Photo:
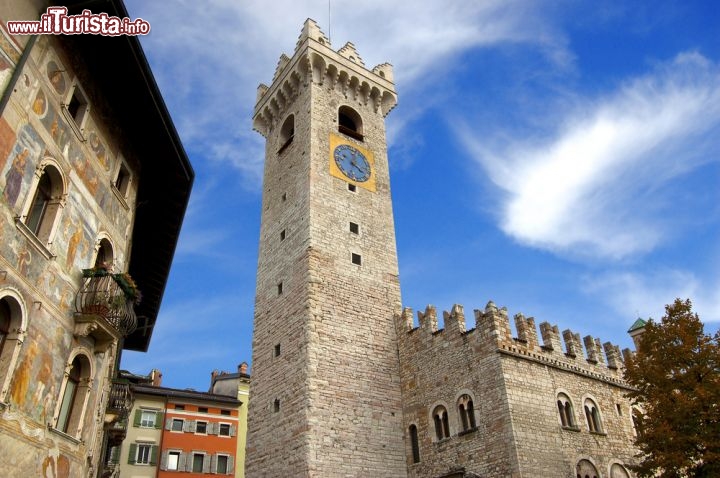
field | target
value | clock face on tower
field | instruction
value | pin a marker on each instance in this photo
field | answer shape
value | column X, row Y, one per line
column 352, row 163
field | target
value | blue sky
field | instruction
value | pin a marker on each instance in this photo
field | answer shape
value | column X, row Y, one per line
column 561, row 158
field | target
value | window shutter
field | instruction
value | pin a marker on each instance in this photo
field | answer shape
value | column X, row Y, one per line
column 232, row 430
column 159, row 419
column 192, row 425
column 153, row 455
column 186, row 425
column 132, row 453
column 168, row 423
column 231, row 464
column 206, row 464
column 164, row 460
column 181, row 461
column 213, row 463
column 212, row 428
column 115, row 455
column 136, row 419
column 190, row 460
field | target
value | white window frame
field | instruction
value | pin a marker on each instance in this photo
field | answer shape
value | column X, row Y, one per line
column 143, row 446
column 150, row 424
column 219, row 429
column 177, row 463
column 197, row 422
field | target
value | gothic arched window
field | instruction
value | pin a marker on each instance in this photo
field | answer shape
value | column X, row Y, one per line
column 467, row 412
column 565, row 409
column 442, row 425
column 592, row 414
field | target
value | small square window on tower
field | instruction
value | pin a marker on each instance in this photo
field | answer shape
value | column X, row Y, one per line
column 282, row 235
column 354, row 228
column 276, row 405
column 276, row 352
column 352, row 187
column 356, row 259
column 280, row 288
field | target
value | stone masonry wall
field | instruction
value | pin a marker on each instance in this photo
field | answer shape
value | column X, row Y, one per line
column 514, row 384
column 329, row 403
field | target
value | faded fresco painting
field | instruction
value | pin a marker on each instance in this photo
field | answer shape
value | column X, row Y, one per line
column 20, row 164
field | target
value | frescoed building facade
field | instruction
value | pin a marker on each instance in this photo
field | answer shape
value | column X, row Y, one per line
column 81, row 146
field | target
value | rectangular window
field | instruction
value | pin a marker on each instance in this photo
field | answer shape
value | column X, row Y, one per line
column 179, row 407
column 143, row 454
column 224, row 430
column 122, row 181
column 197, row 463
column 352, row 187
column 147, row 419
column 277, row 350
column 225, row 412
column 354, row 228
column 284, row 197
column 201, row 427
column 202, row 409
column 356, row 259
column 78, row 107
column 177, row 425
column 222, row 464
column 280, row 288
column 173, row 462
column 282, row 235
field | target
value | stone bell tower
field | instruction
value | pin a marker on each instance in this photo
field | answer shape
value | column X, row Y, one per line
column 325, row 393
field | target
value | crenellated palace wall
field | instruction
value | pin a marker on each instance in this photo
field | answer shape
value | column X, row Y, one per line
column 503, row 396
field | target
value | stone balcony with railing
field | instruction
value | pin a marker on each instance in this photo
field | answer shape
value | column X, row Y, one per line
column 104, row 307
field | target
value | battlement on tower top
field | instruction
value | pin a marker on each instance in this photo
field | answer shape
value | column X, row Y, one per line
column 315, row 62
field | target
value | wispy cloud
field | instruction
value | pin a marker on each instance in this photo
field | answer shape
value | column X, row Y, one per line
column 210, row 63
column 646, row 293
column 569, row 193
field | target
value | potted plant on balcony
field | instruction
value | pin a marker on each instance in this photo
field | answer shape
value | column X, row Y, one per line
column 105, row 291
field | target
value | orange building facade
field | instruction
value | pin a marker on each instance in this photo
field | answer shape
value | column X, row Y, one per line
column 198, row 435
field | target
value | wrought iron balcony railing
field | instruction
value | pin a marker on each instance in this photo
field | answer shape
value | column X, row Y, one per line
column 102, row 295
column 121, row 399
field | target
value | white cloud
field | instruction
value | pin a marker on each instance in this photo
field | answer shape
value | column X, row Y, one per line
column 646, row 293
column 209, row 57
column 596, row 186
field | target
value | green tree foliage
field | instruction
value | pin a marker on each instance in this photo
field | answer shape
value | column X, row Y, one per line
column 676, row 376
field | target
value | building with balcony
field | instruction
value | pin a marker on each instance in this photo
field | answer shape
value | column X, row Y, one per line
column 84, row 228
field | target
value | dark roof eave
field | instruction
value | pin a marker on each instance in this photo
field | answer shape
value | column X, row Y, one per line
column 187, row 394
